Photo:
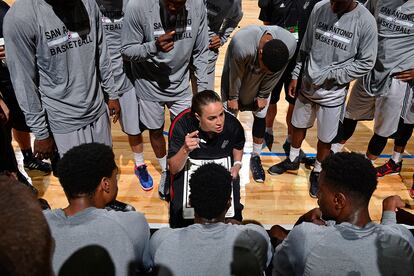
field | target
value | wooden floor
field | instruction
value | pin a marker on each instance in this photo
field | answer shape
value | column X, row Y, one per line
column 281, row 199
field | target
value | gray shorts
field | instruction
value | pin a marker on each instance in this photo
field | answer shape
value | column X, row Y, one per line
column 98, row 131
column 306, row 111
column 152, row 114
column 129, row 119
column 386, row 110
column 408, row 109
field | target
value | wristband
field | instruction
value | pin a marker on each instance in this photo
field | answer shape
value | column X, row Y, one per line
column 238, row 163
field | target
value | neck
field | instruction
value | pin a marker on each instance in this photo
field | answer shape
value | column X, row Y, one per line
column 79, row 204
column 359, row 217
column 265, row 38
column 201, row 220
column 351, row 7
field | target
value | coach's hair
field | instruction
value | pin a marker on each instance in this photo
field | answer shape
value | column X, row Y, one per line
column 210, row 187
column 352, row 174
column 82, row 168
column 203, row 98
column 275, row 55
column 25, row 242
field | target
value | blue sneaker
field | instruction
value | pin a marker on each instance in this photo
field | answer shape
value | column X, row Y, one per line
column 144, row 177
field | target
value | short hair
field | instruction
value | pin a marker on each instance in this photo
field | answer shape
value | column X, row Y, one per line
column 82, row 168
column 275, row 55
column 352, row 174
column 210, row 190
column 203, row 98
column 25, row 242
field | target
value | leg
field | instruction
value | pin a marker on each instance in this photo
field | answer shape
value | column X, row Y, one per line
column 259, row 125
column 271, row 114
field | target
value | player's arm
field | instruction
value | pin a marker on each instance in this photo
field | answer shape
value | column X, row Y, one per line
column 231, row 22
column 200, row 52
column 179, row 147
column 364, row 60
column 133, row 48
column 238, row 135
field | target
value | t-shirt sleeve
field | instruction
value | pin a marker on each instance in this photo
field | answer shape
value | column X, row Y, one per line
column 176, row 137
column 157, row 238
column 240, row 139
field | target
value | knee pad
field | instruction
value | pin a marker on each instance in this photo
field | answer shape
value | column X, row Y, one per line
column 259, row 127
column 404, row 134
column 377, row 144
column 348, row 128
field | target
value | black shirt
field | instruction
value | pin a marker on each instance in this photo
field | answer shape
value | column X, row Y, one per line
column 4, row 72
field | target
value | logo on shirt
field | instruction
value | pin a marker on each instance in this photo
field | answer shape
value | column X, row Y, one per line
column 282, row 5
column 306, row 5
column 225, row 143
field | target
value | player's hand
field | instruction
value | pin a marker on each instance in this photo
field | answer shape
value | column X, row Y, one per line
column 234, row 171
column 44, row 149
column 2, row 53
column 292, row 88
column 165, row 42
column 261, row 103
column 4, row 112
column 233, row 106
column 314, row 216
column 406, row 75
column 391, row 203
column 114, row 110
column 215, row 43
column 191, row 141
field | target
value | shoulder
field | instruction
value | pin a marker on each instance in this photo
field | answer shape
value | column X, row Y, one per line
column 160, row 236
column 366, row 18
column 182, row 122
column 128, row 219
column 232, row 122
column 22, row 11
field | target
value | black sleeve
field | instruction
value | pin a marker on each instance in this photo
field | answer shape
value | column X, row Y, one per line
column 239, row 138
column 176, row 138
column 265, row 14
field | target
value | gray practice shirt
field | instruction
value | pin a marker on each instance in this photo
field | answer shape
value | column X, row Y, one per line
column 335, row 51
column 54, row 70
column 202, row 249
column 395, row 20
column 125, row 235
column 345, row 249
column 159, row 76
column 242, row 78
column 113, row 30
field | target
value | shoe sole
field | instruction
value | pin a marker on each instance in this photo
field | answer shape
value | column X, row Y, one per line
column 394, row 173
column 312, row 196
column 36, row 172
column 259, row 180
column 288, row 171
column 147, row 189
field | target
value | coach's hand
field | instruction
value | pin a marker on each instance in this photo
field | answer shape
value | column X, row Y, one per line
column 165, row 42
column 233, row 106
column 191, row 141
column 234, row 171
column 261, row 103
column 292, row 88
column 44, row 149
column 114, row 110
column 215, row 43
column 406, row 75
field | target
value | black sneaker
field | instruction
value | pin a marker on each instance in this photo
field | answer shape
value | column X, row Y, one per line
column 313, row 184
column 36, row 164
column 285, row 165
column 119, row 206
column 164, row 186
column 268, row 140
column 257, row 169
column 286, row 149
column 309, row 162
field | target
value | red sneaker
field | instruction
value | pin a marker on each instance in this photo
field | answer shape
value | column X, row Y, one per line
column 389, row 168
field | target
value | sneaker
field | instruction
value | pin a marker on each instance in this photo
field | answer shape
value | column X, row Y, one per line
column 164, row 186
column 412, row 192
column 268, row 140
column 389, row 168
column 309, row 162
column 119, row 206
column 144, row 177
column 36, row 164
column 313, row 184
column 285, row 165
column 286, row 149
column 257, row 169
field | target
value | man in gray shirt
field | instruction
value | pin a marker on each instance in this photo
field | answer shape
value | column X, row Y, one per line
column 339, row 238
column 160, row 38
column 206, row 247
column 255, row 61
column 59, row 65
column 88, row 175
column 340, row 45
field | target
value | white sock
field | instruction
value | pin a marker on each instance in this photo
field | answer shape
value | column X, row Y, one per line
column 396, row 156
column 139, row 159
column 257, row 149
column 289, row 139
column 372, row 161
column 337, row 147
column 163, row 163
column 269, row 130
column 318, row 166
column 294, row 152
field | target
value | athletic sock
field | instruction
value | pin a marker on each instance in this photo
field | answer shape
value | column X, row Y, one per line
column 163, row 163
column 337, row 147
column 294, row 152
column 139, row 159
column 257, row 149
column 318, row 166
column 269, row 130
column 396, row 156
column 372, row 161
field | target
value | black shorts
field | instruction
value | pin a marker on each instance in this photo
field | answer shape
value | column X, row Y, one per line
column 284, row 82
column 17, row 119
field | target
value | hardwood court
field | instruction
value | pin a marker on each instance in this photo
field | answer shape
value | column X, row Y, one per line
column 281, row 199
